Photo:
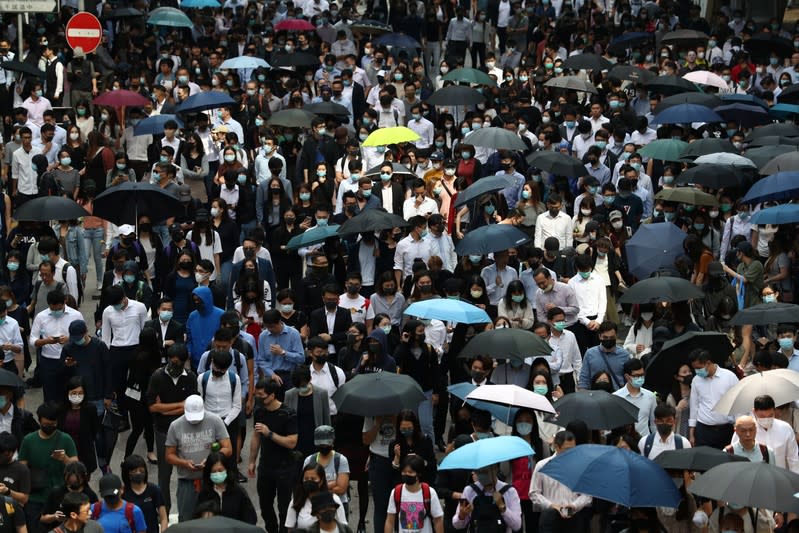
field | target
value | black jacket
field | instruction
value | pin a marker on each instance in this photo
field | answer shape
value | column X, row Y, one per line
column 234, row 504
column 175, row 331
column 317, row 322
column 89, row 427
column 22, row 423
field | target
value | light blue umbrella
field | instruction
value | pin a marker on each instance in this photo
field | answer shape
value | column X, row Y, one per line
column 783, row 111
column 154, row 125
column 314, row 235
column 779, row 186
column 781, row 214
column 505, row 413
column 486, row 452
column 198, row 4
column 169, row 16
column 448, row 310
column 244, row 62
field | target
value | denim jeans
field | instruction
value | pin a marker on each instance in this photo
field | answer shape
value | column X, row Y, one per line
column 426, row 415
column 99, row 438
column 163, row 231
column 432, row 57
column 246, row 228
column 94, row 247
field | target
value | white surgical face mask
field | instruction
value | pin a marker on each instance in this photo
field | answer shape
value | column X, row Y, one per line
column 647, row 316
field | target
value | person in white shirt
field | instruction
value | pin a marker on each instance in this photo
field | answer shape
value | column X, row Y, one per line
column 50, row 250
column 747, row 444
column 644, row 134
column 708, row 427
column 554, row 223
column 639, row 338
column 419, row 203
column 563, row 339
column 24, row 185
column 664, row 438
column 592, row 301
column 220, row 388
column 358, row 306
column 635, row 393
column 324, row 374
column 412, row 247
column 10, row 339
column 497, row 276
column 423, row 127
column 416, row 513
column 441, row 243
column 774, row 433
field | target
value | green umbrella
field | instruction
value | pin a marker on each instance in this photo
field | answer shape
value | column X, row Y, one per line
column 469, row 75
column 687, row 195
column 314, row 235
column 664, row 149
column 169, row 16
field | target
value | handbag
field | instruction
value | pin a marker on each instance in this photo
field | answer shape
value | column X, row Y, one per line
column 740, row 291
column 112, row 418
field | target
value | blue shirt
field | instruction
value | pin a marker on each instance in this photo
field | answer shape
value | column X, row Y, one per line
column 514, row 192
column 793, row 362
column 115, row 521
column 288, row 339
column 593, row 362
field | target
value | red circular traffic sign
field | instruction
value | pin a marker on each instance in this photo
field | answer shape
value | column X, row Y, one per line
column 84, row 31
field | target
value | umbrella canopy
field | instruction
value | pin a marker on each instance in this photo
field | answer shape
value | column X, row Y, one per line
column 684, row 38
column 371, row 220
column 513, row 395
column 586, row 62
column 712, row 175
column 169, row 16
column 572, row 83
column 781, row 128
column 47, row 208
column 758, row 485
column 394, row 135
column 661, row 289
column 294, row 25
column 762, row 314
column 708, row 146
column 783, row 111
column 511, row 343
column 699, row 459
column 707, row 100
column 126, row 12
column 370, row 27
column 788, row 162
column 670, row 85
column 631, row 73
column 491, row 238
column 686, row 114
column 396, row 169
column 664, row 149
column 154, row 125
column 781, row 384
column 124, row 203
column 614, row 474
column 199, row 4
column 205, row 101
column 780, row 214
column 314, row 235
column 761, row 45
column 378, row 394
column 327, row 108
column 486, row 452
column 745, row 115
column 725, row 158
column 214, row 524
column 770, row 140
column 621, row 44
column 9, row 379
column 496, row 138
column 483, row 186
column 597, row 408
column 705, row 77
column 674, row 353
column 23, row 68
column 762, row 155
column 396, row 40
column 456, row 95
column 291, row 118
column 448, row 311
column 498, row 411
column 780, row 186
column 248, row 62
column 121, row 98
column 296, row 59
column 557, row 163
column 744, row 99
column 790, row 95
column 652, row 247
column 687, row 195
column 469, row 75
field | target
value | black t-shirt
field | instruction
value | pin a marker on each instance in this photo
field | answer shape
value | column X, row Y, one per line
column 305, row 425
column 282, row 421
column 162, row 386
column 148, row 501
column 16, row 477
column 11, row 515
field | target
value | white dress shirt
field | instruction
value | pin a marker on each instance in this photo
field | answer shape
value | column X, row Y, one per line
column 592, row 297
column 545, row 491
column 560, row 226
column 72, row 277
column 659, row 445
column 122, row 328
column 10, row 334
column 494, row 291
column 705, row 394
column 570, row 350
column 424, row 128
column 427, row 207
column 322, row 379
column 409, row 249
column 45, row 324
column 219, row 399
column 443, row 247
column 645, row 401
column 780, row 438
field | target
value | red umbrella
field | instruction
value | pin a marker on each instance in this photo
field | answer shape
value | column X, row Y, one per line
column 295, row 25
column 120, row 98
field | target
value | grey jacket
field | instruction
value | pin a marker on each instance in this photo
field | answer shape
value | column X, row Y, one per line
column 321, row 406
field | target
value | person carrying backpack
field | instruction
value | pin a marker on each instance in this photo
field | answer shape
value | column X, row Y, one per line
column 413, row 505
column 115, row 514
column 489, row 505
column 336, row 465
column 220, row 388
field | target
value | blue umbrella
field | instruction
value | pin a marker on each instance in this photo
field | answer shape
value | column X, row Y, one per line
column 154, row 125
column 397, row 40
column 244, row 62
column 615, row 475
column 783, row 111
column 781, row 214
column 779, row 186
column 486, row 452
column 204, row 101
column 314, row 235
column 198, row 4
column 504, row 413
column 652, row 247
column 745, row 115
column 491, row 238
column 448, row 310
column 169, row 16
column 685, row 114
column 745, row 99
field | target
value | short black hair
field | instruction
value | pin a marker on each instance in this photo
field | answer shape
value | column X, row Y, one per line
column 631, row 365
column 178, row 350
column 664, row 410
column 48, row 410
column 698, row 354
column 764, row 402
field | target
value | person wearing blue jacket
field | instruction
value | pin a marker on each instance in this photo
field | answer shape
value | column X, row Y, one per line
column 202, row 323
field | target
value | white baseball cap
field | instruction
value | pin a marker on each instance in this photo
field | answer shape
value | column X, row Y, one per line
column 126, row 229
column 193, row 408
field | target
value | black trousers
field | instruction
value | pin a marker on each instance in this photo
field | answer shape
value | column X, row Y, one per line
column 274, row 483
column 567, row 382
column 714, row 436
column 551, row 521
column 585, row 337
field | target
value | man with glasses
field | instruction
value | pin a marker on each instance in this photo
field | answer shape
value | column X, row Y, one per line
column 635, row 393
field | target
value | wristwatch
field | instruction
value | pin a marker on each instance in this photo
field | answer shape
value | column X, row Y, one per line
column 269, row 435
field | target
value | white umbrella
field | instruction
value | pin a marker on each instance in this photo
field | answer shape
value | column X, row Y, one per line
column 781, row 384
column 724, row 158
column 511, row 395
column 704, row 77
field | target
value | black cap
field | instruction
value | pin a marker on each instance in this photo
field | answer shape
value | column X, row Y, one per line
column 323, row 500
column 110, row 485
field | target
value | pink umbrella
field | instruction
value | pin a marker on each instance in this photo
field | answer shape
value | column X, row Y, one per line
column 295, row 25
column 120, row 98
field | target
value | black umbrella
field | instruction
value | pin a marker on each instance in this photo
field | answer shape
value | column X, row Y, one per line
column 291, row 118
column 327, row 108
column 371, row 220
column 661, row 289
column 23, row 68
column 762, row 314
column 674, row 353
column 783, row 129
column 670, row 85
column 296, row 59
column 786, row 162
column 483, row 186
column 214, row 524
column 631, row 73
column 708, row 146
column 586, row 62
column 123, row 203
column 126, row 12
column 713, row 176
column 684, row 38
column 396, row 169
column 699, row 459
column 49, row 208
column 761, row 45
column 790, row 95
column 557, row 163
column 508, row 343
column 745, row 115
column 456, row 95
column 771, row 141
column 597, row 408
column 10, row 379
column 757, row 485
column 378, row 394
column 707, row 100
column 762, row 155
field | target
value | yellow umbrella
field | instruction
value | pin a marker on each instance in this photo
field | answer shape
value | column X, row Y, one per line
column 395, row 135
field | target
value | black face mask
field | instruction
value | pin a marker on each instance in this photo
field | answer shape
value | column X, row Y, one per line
column 218, row 373
column 112, row 501
column 327, row 516
column 174, row 370
column 49, row 429
column 408, row 479
column 185, row 265
column 75, row 487
column 425, row 289
column 609, row 344
column 145, row 227
column 664, row 430
column 249, row 254
column 477, row 376
column 331, row 306
column 310, row 486
column 137, row 478
column 321, row 359
column 178, row 236
column 325, row 449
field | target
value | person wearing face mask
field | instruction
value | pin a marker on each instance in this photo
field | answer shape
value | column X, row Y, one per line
column 664, row 438
column 777, row 435
column 749, row 272
column 607, row 357
column 52, row 325
column 81, row 421
column 115, row 513
column 410, row 441
column 311, row 405
column 403, row 503
column 525, row 426
column 635, row 393
column 145, row 495
column 221, row 390
column 639, row 338
column 417, row 359
column 707, row 427
column 489, row 501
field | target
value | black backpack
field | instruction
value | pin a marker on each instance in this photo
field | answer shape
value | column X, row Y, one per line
column 486, row 517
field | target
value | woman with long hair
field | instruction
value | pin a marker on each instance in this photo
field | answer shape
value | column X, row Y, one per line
column 93, row 230
column 312, row 481
column 220, row 485
column 228, row 233
column 179, row 283
column 409, row 440
column 194, row 163
column 516, row 307
column 148, row 496
column 78, row 419
column 207, row 240
column 99, row 160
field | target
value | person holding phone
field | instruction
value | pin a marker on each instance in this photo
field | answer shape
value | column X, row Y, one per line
column 487, row 502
